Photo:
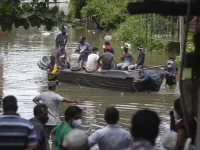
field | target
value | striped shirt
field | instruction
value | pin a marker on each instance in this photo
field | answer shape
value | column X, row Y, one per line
column 16, row 133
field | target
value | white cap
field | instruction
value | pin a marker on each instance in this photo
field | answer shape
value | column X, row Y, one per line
column 170, row 62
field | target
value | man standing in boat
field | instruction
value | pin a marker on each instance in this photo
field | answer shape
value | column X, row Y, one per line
column 107, row 46
column 148, row 82
column 61, row 56
column 141, row 58
column 85, row 50
column 127, row 59
column 52, row 69
column 61, row 38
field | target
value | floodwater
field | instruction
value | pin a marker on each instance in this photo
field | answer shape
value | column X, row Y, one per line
column 20, row 76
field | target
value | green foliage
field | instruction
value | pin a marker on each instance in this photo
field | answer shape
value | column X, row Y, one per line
column 134, row 30
column 108, row 14
column 32, row 14
column 189, row 48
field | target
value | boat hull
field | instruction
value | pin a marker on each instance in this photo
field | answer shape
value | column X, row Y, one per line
column 113, row 79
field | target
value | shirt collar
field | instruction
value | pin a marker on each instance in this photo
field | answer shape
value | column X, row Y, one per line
column 113, row 126
column 9, row 113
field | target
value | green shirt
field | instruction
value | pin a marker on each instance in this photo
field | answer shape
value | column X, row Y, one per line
column 61, row 132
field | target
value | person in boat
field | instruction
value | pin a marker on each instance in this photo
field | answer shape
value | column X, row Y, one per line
column 148, row 82
column 140, row 60
column 106, row 61
column 61, row 38
column 75, row 59
column 85, row 50
column 92, row 63
column 127, row 59
column 178, row 126
column 52, row 69
column 61, row 56
column 170, row 74
column 172, row 59
column 107, row 46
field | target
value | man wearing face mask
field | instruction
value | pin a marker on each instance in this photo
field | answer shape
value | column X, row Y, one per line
column 127, row 59
column 170, row 74
column 92, row 64
column 40, row 119
column 52, row 100
column 73, row 115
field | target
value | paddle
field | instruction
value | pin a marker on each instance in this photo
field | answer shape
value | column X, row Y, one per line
column 159, row 66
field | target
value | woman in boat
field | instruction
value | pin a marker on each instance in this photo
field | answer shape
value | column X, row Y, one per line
column 148, row 82
column 52, row 69
column 171, row 74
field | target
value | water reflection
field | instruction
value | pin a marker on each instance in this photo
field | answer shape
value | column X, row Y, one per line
column 19, row 53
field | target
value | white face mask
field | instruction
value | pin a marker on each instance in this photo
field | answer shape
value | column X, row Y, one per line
column 176, row 115
column 77, row 123
column 169, row 65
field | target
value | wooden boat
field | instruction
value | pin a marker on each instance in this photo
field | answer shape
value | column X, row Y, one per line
column 113, row 79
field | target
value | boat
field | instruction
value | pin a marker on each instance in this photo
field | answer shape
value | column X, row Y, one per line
column 113, row 79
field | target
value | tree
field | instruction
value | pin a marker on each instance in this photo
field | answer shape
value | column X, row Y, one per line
column 32, row 14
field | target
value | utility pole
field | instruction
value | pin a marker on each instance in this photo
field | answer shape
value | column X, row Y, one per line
column 181, row 34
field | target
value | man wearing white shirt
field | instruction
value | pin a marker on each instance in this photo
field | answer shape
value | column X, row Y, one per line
column 111, row 137
column 92, row 64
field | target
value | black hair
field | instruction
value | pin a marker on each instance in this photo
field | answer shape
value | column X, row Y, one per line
column 10, row 104
column 111, row 115
column 171, row 58
column 177, row 107
column 107, row 43
column 94, row 49
column 145, row 125
column 37, row 109
column 83, row 38
column 71, row 111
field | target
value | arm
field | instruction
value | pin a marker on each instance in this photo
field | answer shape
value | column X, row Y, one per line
column 57, row 44
column 66, row 100
column 180, row 139
column 53, row 133
column 172, row 121
column 93, row 139
column 37, row 99
column 115, row 63
column 139, row 61
column 98, row 61
column 31, row 140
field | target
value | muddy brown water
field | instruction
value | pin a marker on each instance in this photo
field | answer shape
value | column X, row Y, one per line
column 20, row 76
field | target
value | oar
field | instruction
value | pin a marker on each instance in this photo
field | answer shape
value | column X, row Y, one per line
column 159, row 66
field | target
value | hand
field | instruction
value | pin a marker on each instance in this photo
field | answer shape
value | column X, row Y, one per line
column 77, row 101
column 171, row 114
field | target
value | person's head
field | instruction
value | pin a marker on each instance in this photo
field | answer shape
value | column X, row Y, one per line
column 169, row 63
column 171, row 58
column 126, row 47
column 10, row 104
column 95, row 50
column 139, row 46
column 145, row 125
column 40, row 112
column 52, row 86
column 73, row 115
column 64, row 31
column 141, row 73
column 77, row 140
column 62, row 46
column 52, row 58
column 82, row 40
column 107, row 43
column 106, row 46
column 111, row 115
column 178, row 114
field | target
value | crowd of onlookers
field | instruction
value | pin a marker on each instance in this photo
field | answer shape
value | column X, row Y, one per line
column 20, row 134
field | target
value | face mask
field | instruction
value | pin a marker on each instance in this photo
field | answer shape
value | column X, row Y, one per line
column 77, row 123
column 169, row 66
column 176, row 115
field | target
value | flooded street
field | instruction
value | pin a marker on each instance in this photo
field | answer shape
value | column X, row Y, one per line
column 21, row 77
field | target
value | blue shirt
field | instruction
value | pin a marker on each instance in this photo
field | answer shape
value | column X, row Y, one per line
column 16, row 132
column 85, row 47
column 111, row 137
column 128, row 57
column 171, row 80
column 150, row 83
column 141, row 58
column 172, row 70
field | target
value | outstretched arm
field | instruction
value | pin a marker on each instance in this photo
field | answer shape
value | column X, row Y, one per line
column 37, row 99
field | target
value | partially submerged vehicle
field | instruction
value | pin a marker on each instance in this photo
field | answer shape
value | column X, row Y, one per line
column 113, row 79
